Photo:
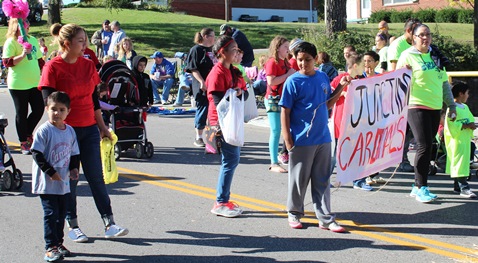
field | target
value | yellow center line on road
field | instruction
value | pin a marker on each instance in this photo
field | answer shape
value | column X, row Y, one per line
column 386, row 235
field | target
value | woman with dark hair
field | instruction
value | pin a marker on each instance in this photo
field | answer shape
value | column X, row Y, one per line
column 22, row 79
column 429, row 89
column 199, row 62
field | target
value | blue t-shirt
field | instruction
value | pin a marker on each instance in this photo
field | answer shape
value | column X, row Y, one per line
column 109, row 35
column 307, row 97
column 165, row 68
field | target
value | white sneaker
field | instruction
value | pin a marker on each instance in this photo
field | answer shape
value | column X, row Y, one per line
column 115, row 231
column 77, row 235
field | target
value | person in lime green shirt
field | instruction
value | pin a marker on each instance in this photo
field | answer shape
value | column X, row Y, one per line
column 458, row 135
column 23, row 77
column 429, row 89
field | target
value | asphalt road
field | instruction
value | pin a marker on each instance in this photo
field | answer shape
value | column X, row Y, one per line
column 165, row 203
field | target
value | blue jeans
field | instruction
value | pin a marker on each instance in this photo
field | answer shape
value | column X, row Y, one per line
column 230, row 159
column 260, row 87
column 166, row 84
column 202, row 105
column 274, row 124
column 89, row 144
column 184, row 81
column 54, row 212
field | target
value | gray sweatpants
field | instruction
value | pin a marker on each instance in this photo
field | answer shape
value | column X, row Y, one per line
column 310, row 163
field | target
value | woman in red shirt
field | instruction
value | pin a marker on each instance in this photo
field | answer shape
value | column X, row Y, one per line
column 224, row 76
column 75, row 75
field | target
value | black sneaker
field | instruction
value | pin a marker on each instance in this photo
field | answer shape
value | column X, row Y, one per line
column 53, row 255
column 64, row 251
column 199, row 143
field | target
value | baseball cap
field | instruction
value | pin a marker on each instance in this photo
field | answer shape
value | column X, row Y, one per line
column 223, row 29
column 157, row 54
column 106, row 21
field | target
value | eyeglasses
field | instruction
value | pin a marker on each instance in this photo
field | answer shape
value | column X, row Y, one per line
column 422, row 36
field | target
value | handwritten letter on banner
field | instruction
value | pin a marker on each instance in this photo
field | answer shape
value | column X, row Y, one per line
column 374, row 125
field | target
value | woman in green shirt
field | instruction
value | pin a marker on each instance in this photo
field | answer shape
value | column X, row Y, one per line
column 429, row 89
column 23, row 77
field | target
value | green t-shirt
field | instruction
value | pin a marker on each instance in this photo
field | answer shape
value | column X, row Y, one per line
column 26, row 74
column 427, row 79
column 458, row 141
column 395, row 49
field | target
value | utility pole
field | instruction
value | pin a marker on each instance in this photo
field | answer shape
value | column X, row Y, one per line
column 226, row 4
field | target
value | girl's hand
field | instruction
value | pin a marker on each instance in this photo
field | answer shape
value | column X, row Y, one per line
column 239, row 91
column 290, row 72
column 74, row 174
column 56, row 177
column 105, row 132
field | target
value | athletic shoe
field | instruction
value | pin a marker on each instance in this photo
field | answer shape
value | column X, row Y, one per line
column 423, row 195
column 332, row 226
column 433, row 196
column 414, row 191
column 77, row 235
column 229, row 209
column 406, row 167
column 473, row 165
column 284, row 158
column 294, row 222
column 64, row 251
column 362, row 185
column 199, row 143
column 25, row 147
column 53, row 255
column 115, row 231
column 467, row 193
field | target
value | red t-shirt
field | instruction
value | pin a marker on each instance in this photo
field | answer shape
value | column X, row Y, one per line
column 79, row 81
column 293, row 63
column 90, row 54
column 277, row 69
column 220, row 79
column 339, row 105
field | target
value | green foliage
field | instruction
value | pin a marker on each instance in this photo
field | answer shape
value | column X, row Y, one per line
column 400, row 16
column 425, row 15
column 459, row 54
column 380, row 15
column 465, row 16
column 335, row 46
column 447, row 15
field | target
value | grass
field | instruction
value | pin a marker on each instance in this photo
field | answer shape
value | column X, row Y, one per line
column 170, row 32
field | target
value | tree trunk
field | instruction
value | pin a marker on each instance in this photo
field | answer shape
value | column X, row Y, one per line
column 336, row 16
column 475, row 26
column 54, row 12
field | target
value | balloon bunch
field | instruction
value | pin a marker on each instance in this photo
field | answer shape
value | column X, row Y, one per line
column 19, row 9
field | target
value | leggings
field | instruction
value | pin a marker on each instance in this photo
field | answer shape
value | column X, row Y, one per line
column 274, row 124
column 424, row 125
column 25, row 122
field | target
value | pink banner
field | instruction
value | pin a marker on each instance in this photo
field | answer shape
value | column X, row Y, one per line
column 373, row 126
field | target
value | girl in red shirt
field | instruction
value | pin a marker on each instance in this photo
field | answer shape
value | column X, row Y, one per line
column 222, row 77
column 277, row 71
column 75, row 75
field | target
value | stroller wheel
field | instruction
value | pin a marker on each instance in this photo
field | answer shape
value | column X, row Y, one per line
column 7, row 181
column 117, row 151
column 139, row 148
column 148, row 150
column 432, row 170
column 18, row 179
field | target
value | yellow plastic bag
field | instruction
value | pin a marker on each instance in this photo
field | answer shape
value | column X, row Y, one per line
column 110, row 173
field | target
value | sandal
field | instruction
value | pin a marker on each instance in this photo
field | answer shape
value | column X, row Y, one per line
column 276, row 168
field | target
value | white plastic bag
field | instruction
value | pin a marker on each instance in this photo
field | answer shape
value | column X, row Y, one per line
column 250, row 106
column 231, row 118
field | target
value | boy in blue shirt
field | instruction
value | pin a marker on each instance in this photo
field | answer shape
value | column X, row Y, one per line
column 305, row 101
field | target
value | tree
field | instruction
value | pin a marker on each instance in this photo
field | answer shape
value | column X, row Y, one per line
column 54, row 11
column 336, row 16
column 475, row 17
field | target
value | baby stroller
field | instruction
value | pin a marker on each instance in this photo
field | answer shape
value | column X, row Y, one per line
column 129, row 122
column 10, row 179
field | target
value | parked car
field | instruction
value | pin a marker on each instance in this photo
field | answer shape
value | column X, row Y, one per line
column 247, row 18
column 36, row 12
